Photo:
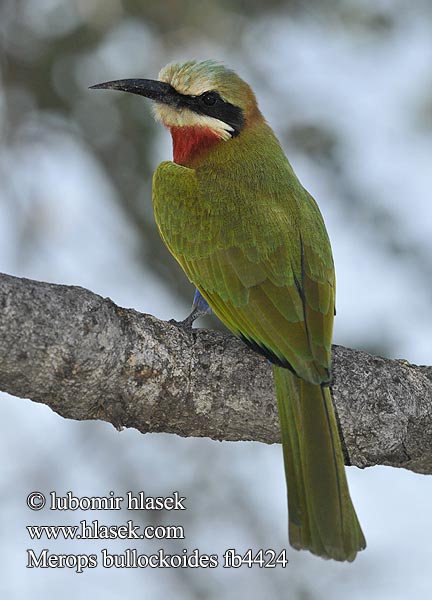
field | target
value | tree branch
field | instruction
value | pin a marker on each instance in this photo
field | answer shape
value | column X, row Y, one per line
column 87, row 358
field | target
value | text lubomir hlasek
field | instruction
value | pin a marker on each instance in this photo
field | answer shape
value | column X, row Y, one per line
column 131, row 501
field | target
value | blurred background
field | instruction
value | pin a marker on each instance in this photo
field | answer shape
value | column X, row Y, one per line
column 347, row 87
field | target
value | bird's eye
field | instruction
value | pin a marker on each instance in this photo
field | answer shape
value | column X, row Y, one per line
column 209, row 98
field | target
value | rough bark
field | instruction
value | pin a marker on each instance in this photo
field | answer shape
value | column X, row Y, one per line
column 87, row 358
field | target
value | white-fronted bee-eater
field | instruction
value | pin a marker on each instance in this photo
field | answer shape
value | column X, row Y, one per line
column 232, row 212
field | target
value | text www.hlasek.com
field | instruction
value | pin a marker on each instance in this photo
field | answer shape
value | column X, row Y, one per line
column 97, row 531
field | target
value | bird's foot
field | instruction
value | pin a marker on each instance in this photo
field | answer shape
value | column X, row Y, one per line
column 200, row 308
column 195, row 314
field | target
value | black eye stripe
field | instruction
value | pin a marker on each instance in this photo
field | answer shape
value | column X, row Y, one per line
column 211, row 104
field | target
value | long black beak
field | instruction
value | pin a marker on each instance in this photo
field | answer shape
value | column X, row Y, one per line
column 150, row 88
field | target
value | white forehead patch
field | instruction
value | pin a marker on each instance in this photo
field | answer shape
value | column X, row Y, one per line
column 186, row 80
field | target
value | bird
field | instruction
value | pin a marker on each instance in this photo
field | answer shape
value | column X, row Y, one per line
column 252, row 240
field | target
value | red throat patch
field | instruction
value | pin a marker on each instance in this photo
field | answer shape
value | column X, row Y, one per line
column 191, row 143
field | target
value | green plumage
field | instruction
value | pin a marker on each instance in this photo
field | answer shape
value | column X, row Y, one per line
column 253, row 241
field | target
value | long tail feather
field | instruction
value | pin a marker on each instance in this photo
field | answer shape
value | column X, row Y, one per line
column 322, row 518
